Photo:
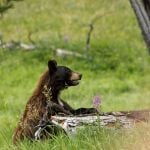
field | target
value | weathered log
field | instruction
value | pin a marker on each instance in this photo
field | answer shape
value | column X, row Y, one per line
column 66, row 53
column 70, row 124
column 16, row 45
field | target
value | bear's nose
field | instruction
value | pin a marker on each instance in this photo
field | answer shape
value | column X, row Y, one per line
column 80, row 76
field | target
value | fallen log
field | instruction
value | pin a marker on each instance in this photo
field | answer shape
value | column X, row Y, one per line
column 17, row 45
column 66, row 53
column 121, row 119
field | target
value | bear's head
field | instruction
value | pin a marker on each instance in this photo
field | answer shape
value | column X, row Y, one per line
column 62, row 77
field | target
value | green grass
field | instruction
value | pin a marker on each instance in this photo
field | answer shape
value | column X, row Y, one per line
column 118, row 72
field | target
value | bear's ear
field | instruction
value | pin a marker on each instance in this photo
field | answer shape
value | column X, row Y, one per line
column 52, row 65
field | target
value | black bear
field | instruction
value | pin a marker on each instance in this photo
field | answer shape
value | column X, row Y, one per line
column 47, row 93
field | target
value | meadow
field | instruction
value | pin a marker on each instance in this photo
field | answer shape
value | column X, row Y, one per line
column 118, row 69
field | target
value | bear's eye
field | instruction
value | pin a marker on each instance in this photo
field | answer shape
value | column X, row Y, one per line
column 59, row 77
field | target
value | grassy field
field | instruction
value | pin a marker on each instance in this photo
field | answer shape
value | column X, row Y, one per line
column 119, row 71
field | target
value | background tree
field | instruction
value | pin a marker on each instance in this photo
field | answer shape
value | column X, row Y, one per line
column 142, row 11
column 5, row 5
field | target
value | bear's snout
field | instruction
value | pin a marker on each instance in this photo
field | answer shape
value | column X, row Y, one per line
column 75, row 76
column 80, row 76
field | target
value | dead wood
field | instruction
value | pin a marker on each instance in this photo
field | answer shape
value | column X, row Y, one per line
column 91, row 28
column 115, row 120
column 66, row 53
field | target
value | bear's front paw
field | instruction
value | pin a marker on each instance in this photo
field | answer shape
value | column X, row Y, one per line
column 93, row 111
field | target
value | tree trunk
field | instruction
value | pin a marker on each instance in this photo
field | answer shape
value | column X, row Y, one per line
column 142, row 11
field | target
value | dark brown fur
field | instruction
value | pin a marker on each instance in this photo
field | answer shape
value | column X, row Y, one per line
column 34, row 111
